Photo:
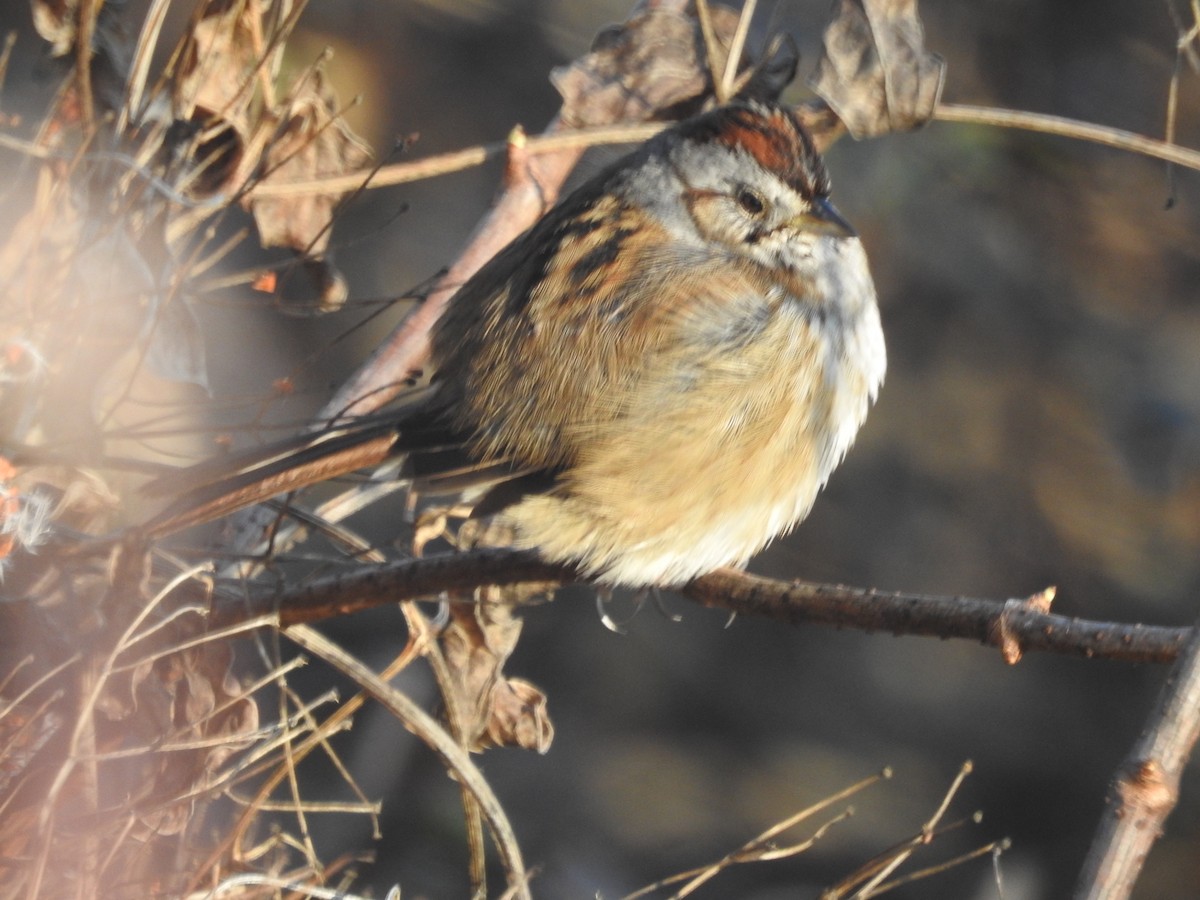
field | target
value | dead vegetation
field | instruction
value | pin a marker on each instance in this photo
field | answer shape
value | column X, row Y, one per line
column 136, row 759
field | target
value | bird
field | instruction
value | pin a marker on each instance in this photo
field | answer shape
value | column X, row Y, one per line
column 652, row 382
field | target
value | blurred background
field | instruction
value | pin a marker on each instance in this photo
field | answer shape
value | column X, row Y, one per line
column 1040, row 424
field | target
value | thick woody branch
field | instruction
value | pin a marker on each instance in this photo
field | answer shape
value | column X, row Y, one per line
column 1013, row 626
column 364, row 588
column 531, row 185
column 1146, row 786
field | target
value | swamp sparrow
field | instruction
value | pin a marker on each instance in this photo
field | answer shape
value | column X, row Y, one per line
column 652, row 382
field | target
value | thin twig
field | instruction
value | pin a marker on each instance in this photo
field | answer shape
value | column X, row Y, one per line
column 712, row 49
column 1013, row 626
column 729, row 79
column 87, row 13
column 339, row 719
column 548, row 143
column 1071, row 128
column 139, row 68
column 424, row 633
column 6, row 47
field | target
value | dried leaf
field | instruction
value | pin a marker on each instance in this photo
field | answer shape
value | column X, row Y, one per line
column 37, row 259
column 476, row 644
column 491, row 709
column 517, row 717
column 176, row 345
column 223, row 87
column 654, row 66
column 313, row 141
column 192, row 698
column 55, row 23
column 875, row 72
column 216, row 70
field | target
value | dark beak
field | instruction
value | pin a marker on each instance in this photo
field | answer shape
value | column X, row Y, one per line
column 823, row 218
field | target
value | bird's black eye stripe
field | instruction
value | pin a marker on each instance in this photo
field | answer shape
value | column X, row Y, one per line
column 750, row 201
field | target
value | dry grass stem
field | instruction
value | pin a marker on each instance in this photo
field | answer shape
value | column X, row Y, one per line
column 762, row 848
column 428, row 730
column 926, row 835
column 869, row 879
column 995, row 849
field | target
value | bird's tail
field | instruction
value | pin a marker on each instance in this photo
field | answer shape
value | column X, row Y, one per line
column 215, row 488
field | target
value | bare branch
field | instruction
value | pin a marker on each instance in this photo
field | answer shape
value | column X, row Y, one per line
column 531, row 185
column 1013, row 626
column 992, row 622
column 1146, row 786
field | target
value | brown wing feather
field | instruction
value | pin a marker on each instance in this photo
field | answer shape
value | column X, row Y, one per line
column 533, row 375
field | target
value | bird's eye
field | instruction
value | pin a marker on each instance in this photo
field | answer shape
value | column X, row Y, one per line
column 750, row 202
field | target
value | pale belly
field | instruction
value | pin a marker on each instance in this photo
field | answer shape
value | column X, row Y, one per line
column 717, row 472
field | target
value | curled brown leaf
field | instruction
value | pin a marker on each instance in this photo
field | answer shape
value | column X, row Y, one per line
column 874, row 71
